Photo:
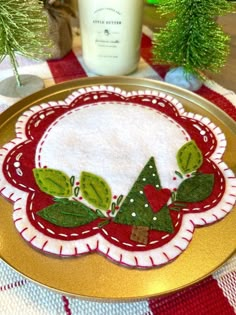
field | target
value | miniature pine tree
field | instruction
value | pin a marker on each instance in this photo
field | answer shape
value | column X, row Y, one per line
column 192, row 38
column 23, row 30
column 137, row 210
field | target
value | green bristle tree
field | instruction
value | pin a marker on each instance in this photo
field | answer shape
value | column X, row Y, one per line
column 23, row 31
column 192, row 37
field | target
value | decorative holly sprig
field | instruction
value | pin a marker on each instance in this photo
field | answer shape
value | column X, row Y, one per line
column 196, row 188
column 116, row 204
column 67, row 211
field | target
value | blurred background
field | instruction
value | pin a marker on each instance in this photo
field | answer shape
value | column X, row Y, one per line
column 227, row 77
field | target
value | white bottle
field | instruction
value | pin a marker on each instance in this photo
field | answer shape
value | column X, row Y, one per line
column 111, row 33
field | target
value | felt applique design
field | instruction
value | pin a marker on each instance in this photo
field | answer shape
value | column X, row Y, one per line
column 132, row 176
column 67, row 213
column 95, row 190
column 53, row 182
column 189, row 157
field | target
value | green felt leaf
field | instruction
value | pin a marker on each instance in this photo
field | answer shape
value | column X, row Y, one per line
column 67, row 213
column 113, row 207
column 103, row 223
column 100, row 214
column 95, row 190
column 119, row 200
column 195, row 189
column 72, row 180
column 76, row 191
column 189, row 157
column 53, row 182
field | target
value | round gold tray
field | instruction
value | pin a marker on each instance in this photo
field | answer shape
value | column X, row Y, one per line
column 93, row 276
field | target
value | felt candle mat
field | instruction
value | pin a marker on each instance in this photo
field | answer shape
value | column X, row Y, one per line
column 127, row 174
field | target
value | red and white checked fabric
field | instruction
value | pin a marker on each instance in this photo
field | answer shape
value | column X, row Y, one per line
column 215, row 295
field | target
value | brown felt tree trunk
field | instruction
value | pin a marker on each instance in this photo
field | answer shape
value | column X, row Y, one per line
column 139, row 234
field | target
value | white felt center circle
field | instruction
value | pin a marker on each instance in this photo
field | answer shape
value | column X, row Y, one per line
column 114, row 141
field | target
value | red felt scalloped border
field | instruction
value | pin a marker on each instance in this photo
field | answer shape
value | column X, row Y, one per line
column 37, row 121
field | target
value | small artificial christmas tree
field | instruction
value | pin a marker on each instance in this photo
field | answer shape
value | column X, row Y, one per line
column 192, row 39
column 23, row 30
column 145, row 206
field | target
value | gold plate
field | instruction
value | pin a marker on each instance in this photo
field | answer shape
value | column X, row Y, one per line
column 93, row 276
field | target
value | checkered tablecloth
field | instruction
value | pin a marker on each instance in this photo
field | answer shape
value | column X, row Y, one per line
column 214, row 295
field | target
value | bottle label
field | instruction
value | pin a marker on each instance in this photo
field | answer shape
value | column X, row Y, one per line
column 111, row 33
column 108, row 25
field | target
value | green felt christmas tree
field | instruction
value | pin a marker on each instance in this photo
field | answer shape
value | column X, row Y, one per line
column 23, row 31
column 192, row 37
column 138, row 210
